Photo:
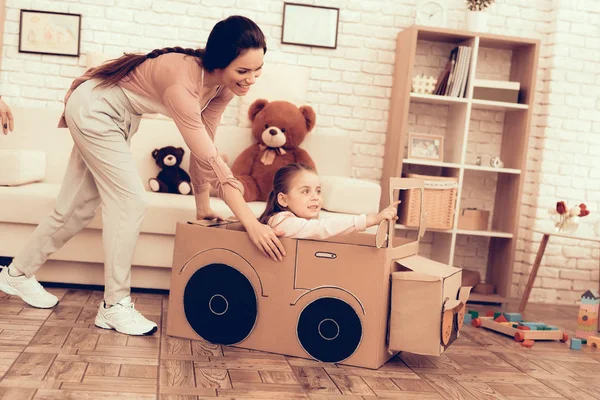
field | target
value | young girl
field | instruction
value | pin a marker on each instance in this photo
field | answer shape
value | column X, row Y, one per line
column 295, row 201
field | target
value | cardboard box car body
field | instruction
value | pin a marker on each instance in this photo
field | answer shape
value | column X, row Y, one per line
column 353, row 299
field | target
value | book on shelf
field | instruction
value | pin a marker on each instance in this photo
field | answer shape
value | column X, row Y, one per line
column 452, row 80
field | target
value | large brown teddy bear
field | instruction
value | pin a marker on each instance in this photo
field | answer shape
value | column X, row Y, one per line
column 278, row 128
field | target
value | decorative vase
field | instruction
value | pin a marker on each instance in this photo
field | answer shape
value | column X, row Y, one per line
column 477, row 21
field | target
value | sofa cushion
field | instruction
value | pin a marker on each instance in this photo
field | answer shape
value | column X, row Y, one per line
column 350, row 195
column 18, row 167
column 31, row 203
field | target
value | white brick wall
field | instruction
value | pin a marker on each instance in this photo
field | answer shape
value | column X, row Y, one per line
column 350, row 88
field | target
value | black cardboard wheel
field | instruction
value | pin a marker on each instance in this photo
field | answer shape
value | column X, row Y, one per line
column 220, row 304
column 329, row 330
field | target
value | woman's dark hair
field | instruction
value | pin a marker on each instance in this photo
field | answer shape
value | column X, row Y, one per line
column 281, row 184
column 228, row 39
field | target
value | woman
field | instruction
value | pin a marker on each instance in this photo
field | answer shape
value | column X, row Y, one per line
column 103, row 110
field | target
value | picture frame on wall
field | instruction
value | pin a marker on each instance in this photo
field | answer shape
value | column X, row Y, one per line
column 48, row 32
column 426, row 146
column 310, row 25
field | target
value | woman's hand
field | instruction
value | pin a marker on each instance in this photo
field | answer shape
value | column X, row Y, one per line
column 266, row 239
column 8, row 122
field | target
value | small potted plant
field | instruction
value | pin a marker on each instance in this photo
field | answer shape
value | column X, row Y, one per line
column 567, row 220
column 476, row 16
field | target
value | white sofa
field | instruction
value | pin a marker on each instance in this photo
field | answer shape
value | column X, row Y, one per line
column 22, row 207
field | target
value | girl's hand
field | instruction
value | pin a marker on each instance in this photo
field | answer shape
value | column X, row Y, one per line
column 389, row 213
column 265, row 238
column 8, row 122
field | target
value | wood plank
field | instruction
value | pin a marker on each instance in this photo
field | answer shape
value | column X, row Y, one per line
column 187, row 391
column 81, row 339
column 350, row 384
column 62, row 313
column 315, row 380
column 30, row 366
column 177, row 373
column 66, row 371
column 448, row 387
column 152, row 342
column 201, row 347
column 413, row 385
column 569, row 391
column 11, row 393
column 91, row 358
column 139, row 371
column 278, row 377
column 263, row 393
column 243, row 375
column 74, row 394
column 212, row 378
column 173, row 345
column 482, row 390
column 103, row 369
column 50, row 336
column 136, row 385
column 508, row 389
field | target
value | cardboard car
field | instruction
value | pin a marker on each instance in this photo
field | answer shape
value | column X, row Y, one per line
column 356, row 299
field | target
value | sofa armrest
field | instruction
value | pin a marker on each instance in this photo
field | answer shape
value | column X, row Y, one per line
column 350, row 195
column 18, row 167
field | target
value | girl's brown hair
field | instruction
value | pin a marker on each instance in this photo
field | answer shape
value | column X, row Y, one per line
column 281, row 184
column 228, row 39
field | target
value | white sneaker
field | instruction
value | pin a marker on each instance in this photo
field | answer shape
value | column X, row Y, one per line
column 124, row 318
column 28, row 289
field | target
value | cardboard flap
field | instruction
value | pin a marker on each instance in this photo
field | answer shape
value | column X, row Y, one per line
column 452, row 304
column 408, row 275
column 208, row 222
column 426, row 266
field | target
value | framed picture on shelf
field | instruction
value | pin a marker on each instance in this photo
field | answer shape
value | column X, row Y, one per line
column 46, row 32
column 310, row 25
column 424, row 146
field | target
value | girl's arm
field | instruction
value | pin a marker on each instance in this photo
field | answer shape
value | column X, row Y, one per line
column 301, row 228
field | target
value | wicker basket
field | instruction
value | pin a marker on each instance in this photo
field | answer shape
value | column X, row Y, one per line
column 440, row 197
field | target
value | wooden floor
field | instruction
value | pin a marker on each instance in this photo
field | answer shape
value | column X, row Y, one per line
column 59, row 354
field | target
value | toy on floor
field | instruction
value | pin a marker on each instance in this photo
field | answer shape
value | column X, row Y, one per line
column 593, row 341
column 512, row 324
column 587, row 320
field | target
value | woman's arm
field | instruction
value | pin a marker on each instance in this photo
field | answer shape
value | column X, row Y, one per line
column 185, row 110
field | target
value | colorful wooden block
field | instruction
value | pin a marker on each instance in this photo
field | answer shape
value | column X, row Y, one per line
column 489, row 314
column 527, row 343
column 468, row 318
column 575, row 344
column 474, row 314
column 587, row 319
column 500, row 318
column 534, row 325
column 523, row 328
column 497, row 314
column 513, row 317
column 593, row 341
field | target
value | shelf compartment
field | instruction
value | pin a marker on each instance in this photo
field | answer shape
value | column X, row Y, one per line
column 447, row 120
column 497, row 105
column 436, row 99
column 497, row 133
